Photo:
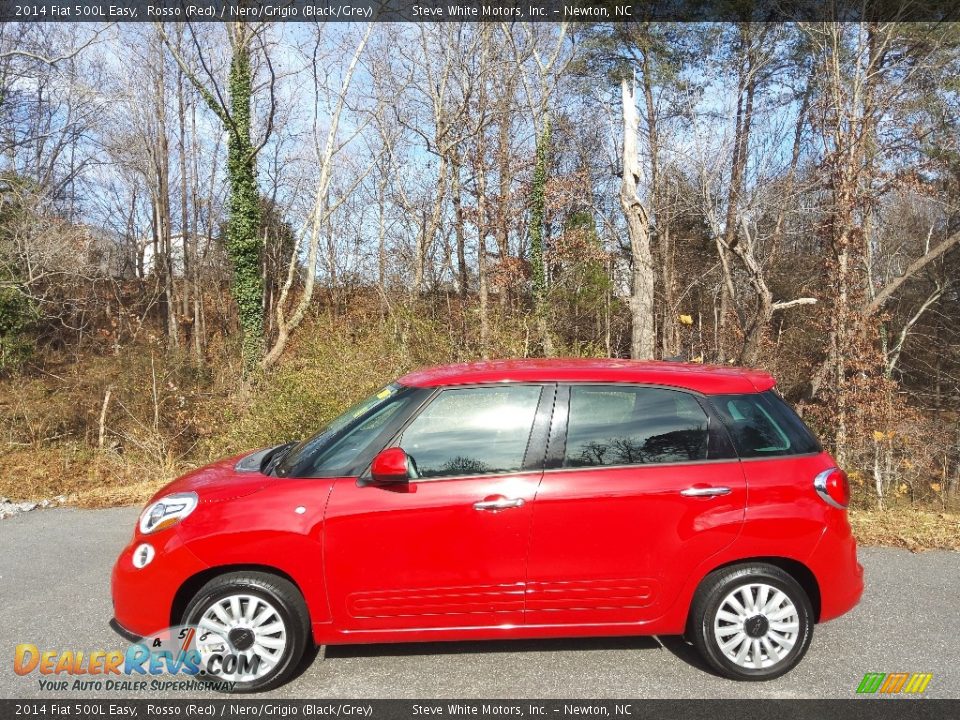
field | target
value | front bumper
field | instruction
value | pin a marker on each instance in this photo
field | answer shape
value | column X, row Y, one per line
column 143, row 598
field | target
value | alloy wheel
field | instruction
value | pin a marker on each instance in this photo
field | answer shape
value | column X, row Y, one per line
column 756, row 625
column 248, row 627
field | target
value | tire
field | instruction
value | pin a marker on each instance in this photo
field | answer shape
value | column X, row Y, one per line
column 744, row 641
column 252, row 602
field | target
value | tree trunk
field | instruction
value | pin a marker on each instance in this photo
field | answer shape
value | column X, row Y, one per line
column 319, row 222
column 431, row 225
column 661, row 224
column 505, row 178
column 482, row 270
column 537, row 219
column 199, row 336
column 463, row 275
column 244, row 244
column 643, row 338
column 185, row 235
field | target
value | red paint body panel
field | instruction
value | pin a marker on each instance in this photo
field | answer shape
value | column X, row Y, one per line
column 252, row 528
column 266, row 530
column 217, row 482
column 142, row 598
column 700, row 378
column 600, row 537
column 591, row 551
column 785, row 519
column 421, row 556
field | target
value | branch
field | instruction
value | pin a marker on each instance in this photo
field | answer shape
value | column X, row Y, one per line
column 792, row 303
column 893, row 356
column 273, row 102
column 543, row 68
column 914, row 268
column 218, row 107
column 47, row 60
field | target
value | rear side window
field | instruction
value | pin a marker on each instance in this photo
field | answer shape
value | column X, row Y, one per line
column 763, row 425
column 632, row 425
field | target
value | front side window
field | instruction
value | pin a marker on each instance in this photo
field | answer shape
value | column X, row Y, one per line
column 632, row 425
column 472, row 431
column 763, row 425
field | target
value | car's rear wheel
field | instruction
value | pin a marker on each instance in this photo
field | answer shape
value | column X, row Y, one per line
column 252, row 630
column 751, row 622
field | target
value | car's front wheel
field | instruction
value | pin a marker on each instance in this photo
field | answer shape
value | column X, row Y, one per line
column 751, row 622
column 252, row 630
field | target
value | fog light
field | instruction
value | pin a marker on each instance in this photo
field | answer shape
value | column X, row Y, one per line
column 143, row 555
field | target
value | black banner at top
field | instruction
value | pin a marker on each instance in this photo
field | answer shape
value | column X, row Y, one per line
column 477, row 10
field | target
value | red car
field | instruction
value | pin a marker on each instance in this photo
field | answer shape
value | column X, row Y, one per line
column 511, row 499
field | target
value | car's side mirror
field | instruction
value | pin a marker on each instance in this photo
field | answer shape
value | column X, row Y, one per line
column 391, row 466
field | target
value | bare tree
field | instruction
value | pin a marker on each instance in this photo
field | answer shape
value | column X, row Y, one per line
column 289, row 319
column 643, row 336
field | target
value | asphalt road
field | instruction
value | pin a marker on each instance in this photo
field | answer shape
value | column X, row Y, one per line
column 54, row 592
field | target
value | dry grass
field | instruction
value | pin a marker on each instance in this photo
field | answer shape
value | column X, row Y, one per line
column 911, row 528
column 88, row 478
column 34, row 473
column 130, row 494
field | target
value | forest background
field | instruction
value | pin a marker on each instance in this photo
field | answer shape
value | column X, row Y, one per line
column 215, row 237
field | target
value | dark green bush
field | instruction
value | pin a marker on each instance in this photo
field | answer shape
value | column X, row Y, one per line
column 17, row 315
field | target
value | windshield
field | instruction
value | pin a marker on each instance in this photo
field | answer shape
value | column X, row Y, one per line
column 338, row 444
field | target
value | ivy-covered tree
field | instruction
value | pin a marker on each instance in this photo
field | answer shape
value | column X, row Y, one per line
column 244, row 245
column 243, row 239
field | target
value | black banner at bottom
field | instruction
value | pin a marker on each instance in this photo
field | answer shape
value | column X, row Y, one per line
column 855, row 709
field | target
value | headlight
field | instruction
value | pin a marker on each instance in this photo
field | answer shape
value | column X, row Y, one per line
column 167, row 511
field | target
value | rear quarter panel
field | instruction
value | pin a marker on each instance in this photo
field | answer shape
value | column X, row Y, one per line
column 784, row 512
column 785, row 518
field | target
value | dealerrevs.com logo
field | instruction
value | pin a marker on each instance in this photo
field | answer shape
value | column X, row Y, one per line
column 894, row 683
column 194, row 658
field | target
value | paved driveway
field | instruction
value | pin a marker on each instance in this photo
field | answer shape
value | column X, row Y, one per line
column 54, row 592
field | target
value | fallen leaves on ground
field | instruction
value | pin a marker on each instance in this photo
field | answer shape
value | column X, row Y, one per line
column 911, row 528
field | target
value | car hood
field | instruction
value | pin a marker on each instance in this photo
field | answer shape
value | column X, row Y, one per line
column 218, row 481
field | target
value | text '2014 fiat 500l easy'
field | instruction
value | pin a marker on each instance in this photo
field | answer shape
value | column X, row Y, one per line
column 510, row 499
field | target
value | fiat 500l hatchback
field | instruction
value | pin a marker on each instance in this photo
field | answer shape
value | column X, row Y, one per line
column 512, row 499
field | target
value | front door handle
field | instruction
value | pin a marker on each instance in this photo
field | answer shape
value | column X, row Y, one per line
column 705, row 491
column 500, row 503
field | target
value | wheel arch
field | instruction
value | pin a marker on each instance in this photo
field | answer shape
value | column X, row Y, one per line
column 794, row 568
column 192, row 584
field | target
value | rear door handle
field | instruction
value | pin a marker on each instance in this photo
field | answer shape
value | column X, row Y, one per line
column 705, row 491
column 498, row 504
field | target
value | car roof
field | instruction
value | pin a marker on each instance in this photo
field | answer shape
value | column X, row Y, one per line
column 707, row 379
